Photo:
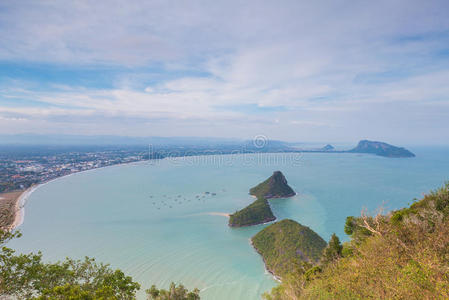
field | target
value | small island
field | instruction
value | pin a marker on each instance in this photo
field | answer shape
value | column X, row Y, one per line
column 381, row 149
column 286, row 245
column 328, row 148
column 274, row 187
column 259, row 211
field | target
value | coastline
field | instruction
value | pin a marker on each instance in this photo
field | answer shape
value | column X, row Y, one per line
column 21, row 200
column 19, row 211
column 276, row 278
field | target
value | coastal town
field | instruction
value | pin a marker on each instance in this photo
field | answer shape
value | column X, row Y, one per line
column 21, row 169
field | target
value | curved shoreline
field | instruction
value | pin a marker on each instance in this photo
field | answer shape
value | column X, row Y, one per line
column 19, row 212
column 20, row 207
column 268, row 271
column 21, row 201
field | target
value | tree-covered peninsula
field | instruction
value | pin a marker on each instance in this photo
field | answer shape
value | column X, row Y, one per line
column 259, row 211
column 286, row 246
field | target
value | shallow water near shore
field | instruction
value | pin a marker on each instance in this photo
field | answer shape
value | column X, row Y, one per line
column 160, row 222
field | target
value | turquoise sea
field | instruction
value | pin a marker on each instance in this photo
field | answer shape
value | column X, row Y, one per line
column 155, row 221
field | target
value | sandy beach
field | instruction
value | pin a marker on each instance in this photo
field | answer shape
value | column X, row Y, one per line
column 12, row 207
column 20, row 206
column 218, row 214
column 8, row 208
column 18, row 198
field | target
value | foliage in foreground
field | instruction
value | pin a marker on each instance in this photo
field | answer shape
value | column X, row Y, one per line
column 173, row 293
column 403, row 255
column 26, row 276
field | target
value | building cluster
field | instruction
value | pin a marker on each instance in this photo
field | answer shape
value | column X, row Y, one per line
column 22, row 170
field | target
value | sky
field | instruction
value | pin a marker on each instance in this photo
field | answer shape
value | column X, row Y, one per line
column 303, row 71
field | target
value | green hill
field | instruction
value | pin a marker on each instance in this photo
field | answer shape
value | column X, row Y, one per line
column 274, row 187
column 400, row 255
column 286, row 245
column 259, row 211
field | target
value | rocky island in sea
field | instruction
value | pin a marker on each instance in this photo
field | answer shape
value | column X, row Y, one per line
column 381, row 149
column 286, row 245
column 259, row 211
column 276, row 186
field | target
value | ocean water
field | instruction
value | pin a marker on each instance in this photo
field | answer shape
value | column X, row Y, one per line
column 156, row 222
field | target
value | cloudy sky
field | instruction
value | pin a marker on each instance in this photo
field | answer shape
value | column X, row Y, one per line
column 291, row 70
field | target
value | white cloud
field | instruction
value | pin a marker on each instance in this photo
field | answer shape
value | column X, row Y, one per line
column 300, row 55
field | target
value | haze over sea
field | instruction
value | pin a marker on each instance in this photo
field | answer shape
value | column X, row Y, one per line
column 156, row 222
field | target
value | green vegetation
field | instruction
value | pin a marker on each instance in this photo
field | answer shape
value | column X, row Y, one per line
column 274, row 187
column 26, row 276
column 259, row 211
column 287, row 247
column 256, row 213
column 402, row 255
column 173, row 293
column 333, row 251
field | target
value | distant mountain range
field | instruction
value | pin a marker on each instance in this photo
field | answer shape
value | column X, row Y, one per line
column 227, row 145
